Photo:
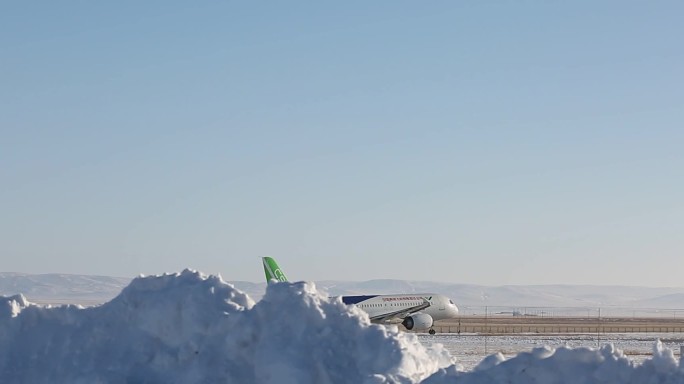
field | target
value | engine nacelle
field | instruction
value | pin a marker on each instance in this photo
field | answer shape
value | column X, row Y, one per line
column 418, row 322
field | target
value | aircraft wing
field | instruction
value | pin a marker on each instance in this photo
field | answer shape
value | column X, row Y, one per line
column 400, row 314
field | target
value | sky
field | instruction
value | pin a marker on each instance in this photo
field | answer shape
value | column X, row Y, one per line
column 467, row 142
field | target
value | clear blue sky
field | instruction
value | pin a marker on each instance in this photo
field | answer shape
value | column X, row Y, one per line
column 467, row 142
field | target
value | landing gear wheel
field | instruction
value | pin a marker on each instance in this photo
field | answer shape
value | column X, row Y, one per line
column 431, row 331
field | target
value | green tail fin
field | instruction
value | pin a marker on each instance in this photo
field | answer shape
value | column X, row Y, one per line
column 272, row 270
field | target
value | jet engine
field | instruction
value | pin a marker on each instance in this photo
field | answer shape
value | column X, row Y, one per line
column 418, row 322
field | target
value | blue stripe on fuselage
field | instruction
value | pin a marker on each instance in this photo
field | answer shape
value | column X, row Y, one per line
column 356, row 299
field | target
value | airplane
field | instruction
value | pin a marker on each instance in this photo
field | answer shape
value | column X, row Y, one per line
column 415, row 311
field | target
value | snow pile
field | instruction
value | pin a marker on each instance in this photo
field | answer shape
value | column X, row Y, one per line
column 188, row 328
column 565, row 366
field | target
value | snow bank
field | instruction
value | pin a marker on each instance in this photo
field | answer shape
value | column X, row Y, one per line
column 189, row 328
column 564, row 365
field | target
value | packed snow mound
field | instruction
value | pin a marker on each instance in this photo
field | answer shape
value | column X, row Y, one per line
column 189, row 328
column 12, row 306
column 606, row 365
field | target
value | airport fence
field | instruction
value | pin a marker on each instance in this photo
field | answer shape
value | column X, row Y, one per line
column 561, row 320
column 550, row 329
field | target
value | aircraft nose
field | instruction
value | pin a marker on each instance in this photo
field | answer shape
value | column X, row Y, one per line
column 454, row 310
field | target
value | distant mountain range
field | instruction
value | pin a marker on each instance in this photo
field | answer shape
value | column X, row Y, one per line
column 471, row 299
column 62, row 288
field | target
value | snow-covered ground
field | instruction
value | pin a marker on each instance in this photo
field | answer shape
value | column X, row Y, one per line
column 470, row 349
column 191, row 328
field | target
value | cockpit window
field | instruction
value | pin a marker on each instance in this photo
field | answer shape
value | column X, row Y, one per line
column 451, row 302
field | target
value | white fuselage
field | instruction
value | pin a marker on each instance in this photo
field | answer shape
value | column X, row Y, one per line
column 440, row 307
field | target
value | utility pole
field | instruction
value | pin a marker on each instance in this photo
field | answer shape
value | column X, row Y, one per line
column 485, row 330
column 598, row 329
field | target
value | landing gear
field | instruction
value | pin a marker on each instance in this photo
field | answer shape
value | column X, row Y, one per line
column 431, row 331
